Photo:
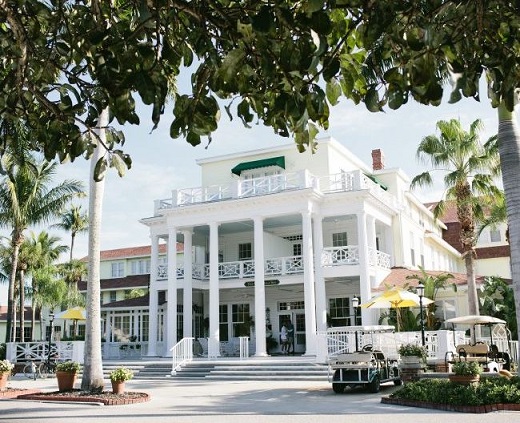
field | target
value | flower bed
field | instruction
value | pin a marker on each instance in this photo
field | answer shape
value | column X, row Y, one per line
column 106, row 398
column 489, row 395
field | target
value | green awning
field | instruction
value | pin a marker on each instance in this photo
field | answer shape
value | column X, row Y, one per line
column 377, row 181
column 255, row 164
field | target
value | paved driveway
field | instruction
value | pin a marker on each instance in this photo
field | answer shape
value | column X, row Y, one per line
column 234, row 402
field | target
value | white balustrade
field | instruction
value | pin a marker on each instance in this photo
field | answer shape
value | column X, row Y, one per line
column 182, row 353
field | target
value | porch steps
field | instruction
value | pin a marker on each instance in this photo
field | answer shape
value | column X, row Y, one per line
column 253, row 371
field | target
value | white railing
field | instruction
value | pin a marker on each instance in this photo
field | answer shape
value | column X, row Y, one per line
column 39, row 351
column 338, row 256
column 340, row 182
column 241, row 269
column 348, row 339
column 182, row 353
column 244, row 347
column 378, row 258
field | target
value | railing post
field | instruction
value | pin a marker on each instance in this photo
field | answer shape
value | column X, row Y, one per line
column 244, row 347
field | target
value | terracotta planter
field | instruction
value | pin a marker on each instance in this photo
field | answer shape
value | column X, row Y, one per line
column 66, row 381
column 464, row 379
column 118, row 387
column 3, row 381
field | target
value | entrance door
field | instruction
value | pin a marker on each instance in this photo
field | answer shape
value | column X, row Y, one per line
column 298, row 320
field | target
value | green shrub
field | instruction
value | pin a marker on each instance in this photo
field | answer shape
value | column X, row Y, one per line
column 413, row 350
column 442, row 391
column 121, row 374
column 467, row 368
column 68, row 366
column 5, row 366
column 2, row 351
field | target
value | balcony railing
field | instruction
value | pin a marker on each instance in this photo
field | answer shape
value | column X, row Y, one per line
column 331, row 256
column 344, row 181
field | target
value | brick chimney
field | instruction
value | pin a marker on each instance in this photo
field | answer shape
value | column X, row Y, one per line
column 378, row 159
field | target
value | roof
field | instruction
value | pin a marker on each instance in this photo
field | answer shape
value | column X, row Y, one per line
column 128, row 282
column 27, row 314
column 142, row 302
column 140, row 251
column 450, row 211
column 397, row 277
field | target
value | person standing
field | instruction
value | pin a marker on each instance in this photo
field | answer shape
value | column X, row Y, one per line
column 290, row 338
column 283, row 338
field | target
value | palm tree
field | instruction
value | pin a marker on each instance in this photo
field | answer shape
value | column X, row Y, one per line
column 75, row 221
column 469, row 169
column 432, row 285
column 26, row 199
column 42, row 251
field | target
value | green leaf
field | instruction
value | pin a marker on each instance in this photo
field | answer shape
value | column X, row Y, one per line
column 321, row 23
column 312, row 6
column 100, row 170
column 333, row 90
column 264, row 20
column 372, row 100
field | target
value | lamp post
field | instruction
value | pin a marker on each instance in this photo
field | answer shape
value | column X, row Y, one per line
column 420, row 292
column 355, row 304
column 51, row 317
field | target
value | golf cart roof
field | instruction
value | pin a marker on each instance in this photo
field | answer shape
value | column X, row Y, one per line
column 364, row 329
column 473, row 319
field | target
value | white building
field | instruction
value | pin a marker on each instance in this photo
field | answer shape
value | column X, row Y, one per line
column 273, row 235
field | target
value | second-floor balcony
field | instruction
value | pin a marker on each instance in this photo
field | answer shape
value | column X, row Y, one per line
column 340, row 182
column 280, row 266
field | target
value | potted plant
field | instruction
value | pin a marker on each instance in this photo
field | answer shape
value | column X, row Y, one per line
column 5, row 369
column 465, row 372
column 416, row 351
column 66, row 372
column 118, row 377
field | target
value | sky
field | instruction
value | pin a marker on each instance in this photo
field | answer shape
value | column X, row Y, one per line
column 161, row 164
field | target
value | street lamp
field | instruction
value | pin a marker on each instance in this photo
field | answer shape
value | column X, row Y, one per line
column 355, row 304
column 420, row 292
column 51, row 317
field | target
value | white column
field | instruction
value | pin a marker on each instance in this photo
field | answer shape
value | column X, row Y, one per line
column 153, row 306
column 367, row 316
column 308, row 283
column 214, row 295
column 321, row 294
column 259, row 287
column 188, row 285
column 171, row 317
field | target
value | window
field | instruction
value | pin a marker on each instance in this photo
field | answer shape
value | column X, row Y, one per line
column 339, row 239
column 342, row 314
column 297, row 249
column 412, row 248
column 494, row 235
column 140, row 267
column 118, row 269
column 244, row 251
column 223, row 322
column 113, row 296
column 241, row 320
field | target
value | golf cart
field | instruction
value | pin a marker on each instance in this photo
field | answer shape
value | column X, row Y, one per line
column 366, row 366
column 494, row 356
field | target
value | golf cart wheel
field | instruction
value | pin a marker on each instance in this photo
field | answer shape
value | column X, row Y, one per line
column 398, row 382
column 338, row 388
column 374, row 385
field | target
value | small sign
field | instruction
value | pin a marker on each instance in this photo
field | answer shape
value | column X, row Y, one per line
column 267, row 282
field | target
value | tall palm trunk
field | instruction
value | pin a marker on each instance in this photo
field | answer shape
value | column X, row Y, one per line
column 11, row 317
column 93, row 365
column 509, row 148
column 22, row 305
column 72, row 244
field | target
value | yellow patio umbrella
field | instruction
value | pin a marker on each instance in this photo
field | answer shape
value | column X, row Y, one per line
column 396, row 298
column 74, row 314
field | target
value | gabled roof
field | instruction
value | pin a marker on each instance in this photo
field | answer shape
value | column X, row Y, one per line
column 397, row 277
column 140, row 251
column 142, row 302
column 128, row 282
column 27, row 314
